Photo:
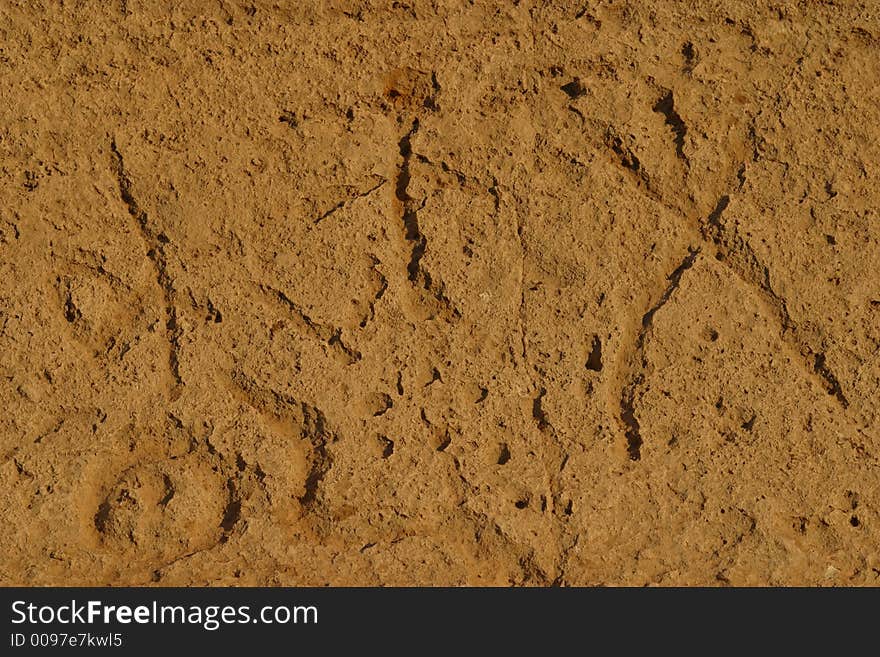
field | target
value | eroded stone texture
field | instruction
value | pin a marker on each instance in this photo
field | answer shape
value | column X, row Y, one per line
column 439, row 293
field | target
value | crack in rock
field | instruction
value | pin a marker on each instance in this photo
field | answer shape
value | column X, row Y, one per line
column 310, row 421
column 666, row 107
column 628, row 419
column 341, row 204
column 156, row 242
column 330, row 335
column 739, row 257
column 411, row 207
column 733, row 252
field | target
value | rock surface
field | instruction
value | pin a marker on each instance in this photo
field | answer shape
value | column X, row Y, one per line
column 433, row 292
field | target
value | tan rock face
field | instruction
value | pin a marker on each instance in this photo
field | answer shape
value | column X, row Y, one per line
column 436, row 293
